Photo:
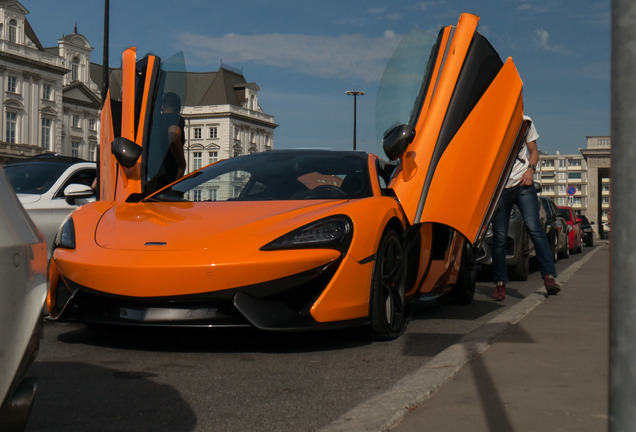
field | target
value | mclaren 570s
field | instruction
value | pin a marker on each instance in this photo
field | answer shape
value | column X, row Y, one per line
column 297, row 239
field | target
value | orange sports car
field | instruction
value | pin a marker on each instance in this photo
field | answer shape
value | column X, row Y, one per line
column 298, row 239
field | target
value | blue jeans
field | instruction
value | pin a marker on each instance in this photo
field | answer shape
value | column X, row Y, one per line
column 526, row 199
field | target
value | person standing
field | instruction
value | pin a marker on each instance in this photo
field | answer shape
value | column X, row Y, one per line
column 520, row 190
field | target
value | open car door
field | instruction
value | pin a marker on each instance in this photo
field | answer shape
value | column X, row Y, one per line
column 455, row 123
column 131, row 146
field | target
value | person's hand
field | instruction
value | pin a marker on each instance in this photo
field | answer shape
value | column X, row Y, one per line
column 528, row 177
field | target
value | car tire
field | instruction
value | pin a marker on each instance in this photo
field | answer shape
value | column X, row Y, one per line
column 566, row 250
column 387, row 309
column 464, row 290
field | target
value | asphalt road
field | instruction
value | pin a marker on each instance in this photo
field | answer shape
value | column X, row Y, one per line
column 97, row 380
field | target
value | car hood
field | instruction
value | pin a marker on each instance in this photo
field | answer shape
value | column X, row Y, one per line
column 202, row 225
column 28, row 198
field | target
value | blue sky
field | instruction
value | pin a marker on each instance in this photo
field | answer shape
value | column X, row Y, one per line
column 305, row 54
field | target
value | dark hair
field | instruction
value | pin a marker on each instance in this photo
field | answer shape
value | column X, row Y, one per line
column 172, row 100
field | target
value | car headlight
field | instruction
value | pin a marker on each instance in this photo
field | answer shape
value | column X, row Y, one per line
column 65, row 237
column 333, row 232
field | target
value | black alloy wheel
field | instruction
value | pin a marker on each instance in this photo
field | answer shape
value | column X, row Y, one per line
column 388, row 288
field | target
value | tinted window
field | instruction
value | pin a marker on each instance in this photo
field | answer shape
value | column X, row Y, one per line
column 276, row 176
column 34, row 178
column 565, row 214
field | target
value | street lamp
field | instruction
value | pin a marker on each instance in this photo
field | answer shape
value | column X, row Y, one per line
column 355, row 94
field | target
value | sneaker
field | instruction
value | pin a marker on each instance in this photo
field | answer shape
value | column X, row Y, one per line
column 551, row 285
column 500, row 291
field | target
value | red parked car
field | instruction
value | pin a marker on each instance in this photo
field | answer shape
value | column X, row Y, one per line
column 575, row 231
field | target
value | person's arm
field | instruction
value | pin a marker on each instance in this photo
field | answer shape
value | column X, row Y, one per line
column 533, row 152
column 174, row 132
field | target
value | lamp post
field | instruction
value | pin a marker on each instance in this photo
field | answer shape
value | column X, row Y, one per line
column 355, row 94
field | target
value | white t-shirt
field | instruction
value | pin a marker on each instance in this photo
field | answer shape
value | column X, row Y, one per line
column 522, row 162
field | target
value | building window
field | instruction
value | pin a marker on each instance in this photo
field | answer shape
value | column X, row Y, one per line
column 46, row 133
column 574, row 175
column 213, row 157
column 213, row 133
column 11, row 127
column 576, row 200
column 47, row 92
column 561, row 176
column 92, row 150
column 92, row 124
column 75, row 69
column 196, row 160
column 562, row 201
column 12, row 84
column 76, row 121
column 548, row 188
column 13, row 31
column 574, row 162
column 197, row 133
column 75, row 148
column 237, row 152
column 561, row 189
column 212, row 193
column 547, row 163
column 196, row 195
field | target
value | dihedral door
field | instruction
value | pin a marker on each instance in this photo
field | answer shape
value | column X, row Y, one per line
column 468, row 128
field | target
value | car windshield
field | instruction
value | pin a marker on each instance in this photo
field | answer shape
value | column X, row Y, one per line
column 34, row 178
column 404, row 82
column 565, row 214
column 276, row 175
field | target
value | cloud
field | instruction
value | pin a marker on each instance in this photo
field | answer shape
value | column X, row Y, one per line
column 544, row 42
column 346, row 56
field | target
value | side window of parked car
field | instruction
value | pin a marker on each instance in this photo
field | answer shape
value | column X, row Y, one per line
column 84, row 177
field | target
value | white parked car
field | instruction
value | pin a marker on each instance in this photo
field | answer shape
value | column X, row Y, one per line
column 23, row 261
column 51, row 187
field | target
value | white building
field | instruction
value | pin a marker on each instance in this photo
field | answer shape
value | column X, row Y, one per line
column 51, row 100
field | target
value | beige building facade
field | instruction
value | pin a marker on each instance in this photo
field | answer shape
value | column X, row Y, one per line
column 581, row 181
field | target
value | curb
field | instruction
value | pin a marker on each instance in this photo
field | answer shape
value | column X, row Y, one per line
column 385, row 410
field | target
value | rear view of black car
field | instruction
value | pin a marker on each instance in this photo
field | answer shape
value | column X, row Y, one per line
column 588, row 231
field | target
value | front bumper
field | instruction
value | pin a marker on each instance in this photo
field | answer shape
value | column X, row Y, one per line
column 283, row 305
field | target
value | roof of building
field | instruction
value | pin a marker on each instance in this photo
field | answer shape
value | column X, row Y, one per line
column 203, row 88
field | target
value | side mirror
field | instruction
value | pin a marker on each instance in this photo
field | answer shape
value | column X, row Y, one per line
column 579, row 220
column 75, row 191
column 592, row 223
column 397, row 140
column 538, row 187
column 126, row 151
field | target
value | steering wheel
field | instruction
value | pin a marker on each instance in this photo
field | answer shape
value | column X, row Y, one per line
column 327, row 191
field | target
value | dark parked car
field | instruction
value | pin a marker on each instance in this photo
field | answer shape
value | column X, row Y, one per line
column 556, row 229
column 519, row 248
column 588, row 231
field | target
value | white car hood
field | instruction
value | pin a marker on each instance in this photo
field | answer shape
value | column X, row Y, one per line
column 28, row 198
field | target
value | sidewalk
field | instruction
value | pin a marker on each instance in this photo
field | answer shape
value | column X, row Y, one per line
column 548, row 372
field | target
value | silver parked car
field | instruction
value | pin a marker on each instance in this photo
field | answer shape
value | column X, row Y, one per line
column 23, row 261
column 51, row 187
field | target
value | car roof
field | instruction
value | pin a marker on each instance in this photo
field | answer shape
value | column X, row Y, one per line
column 67, row 160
